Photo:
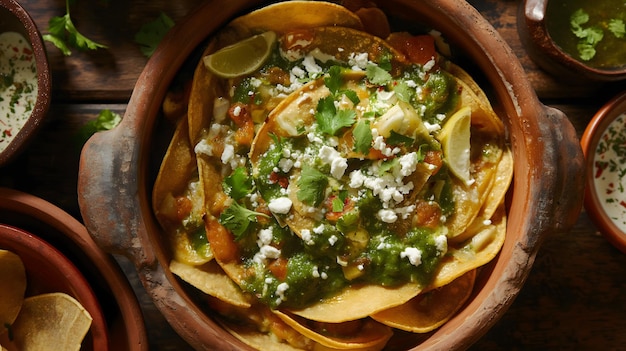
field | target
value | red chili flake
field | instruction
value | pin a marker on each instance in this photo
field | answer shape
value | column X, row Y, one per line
column 622, row 203
column 7, row 132
column 16, row 49
column 27, row 51
column 283, row 181
column 600, row 167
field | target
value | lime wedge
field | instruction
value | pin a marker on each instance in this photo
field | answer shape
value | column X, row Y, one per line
column 241, row 58
column 455, row 142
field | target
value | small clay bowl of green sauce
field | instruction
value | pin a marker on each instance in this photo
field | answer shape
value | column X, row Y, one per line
column 604, row 146
column 576, row 39
column 24, row 79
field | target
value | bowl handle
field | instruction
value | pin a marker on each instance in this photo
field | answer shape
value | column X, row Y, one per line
column 109, row 168
column 559, row 179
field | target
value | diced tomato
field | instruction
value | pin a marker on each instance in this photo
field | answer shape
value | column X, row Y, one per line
column 297, row 40
column 282, row 180
column 240, row 114
column 419, row 48
column 183, row 207
column 278, row 267
column 222, row 241
column 334, row 216
column 434, row 158
column 427, row 214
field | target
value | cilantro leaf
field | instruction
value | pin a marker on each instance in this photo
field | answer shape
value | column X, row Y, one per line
column 337, row 204
column 312, row 186
column 329, row 120
column 238, row 184
column 333, row 80
column 237, row 218
column 63, row 34
column 404, row 92
column 362, row 137
column 106, row 120
column 617, row 27
column 151, row 34
column 377, row 75
column 396, row 139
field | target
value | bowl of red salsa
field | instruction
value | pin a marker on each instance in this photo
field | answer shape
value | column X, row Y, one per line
column 604, row 145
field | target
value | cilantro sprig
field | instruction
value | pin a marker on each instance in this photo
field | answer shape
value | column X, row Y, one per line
column 237, row 219
column 105, row 120
column 238, row 184
column 590, row 36
column 63, row 34
column 312, row 186
column 151, row 34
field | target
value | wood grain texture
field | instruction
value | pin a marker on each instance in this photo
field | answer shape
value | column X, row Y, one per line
column 574, row 298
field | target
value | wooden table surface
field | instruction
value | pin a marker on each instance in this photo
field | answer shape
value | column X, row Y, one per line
column 574, row 298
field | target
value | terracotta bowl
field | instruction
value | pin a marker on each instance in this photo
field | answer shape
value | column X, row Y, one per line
column 533, row 28
column 120, row 324
column 13, row 18
column 603, row 199
column 118, row 167
column 48, row 270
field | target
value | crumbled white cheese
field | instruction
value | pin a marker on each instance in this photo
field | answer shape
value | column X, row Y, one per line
column 203, row 147
column 387, row 215
column 413, row 254
column 228, row 154
column 332, row 157
column 280, row 205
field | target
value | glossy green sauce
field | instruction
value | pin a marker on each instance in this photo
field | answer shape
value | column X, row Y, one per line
column 563, row 20
column 357, row 248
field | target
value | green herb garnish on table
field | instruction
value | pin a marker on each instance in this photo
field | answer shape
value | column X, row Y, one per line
column 63, row 34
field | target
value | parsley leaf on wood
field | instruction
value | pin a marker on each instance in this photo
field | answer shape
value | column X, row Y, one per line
column 63, row 34
column 237, row 218
column 312, row 186
column 362, row 137
column 238, row 184
column 106, row 120
column 329, row 119
column 151, row 34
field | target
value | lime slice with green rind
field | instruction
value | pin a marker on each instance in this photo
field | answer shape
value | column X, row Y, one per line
column 241, row 58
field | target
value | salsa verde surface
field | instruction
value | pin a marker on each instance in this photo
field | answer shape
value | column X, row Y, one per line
column 359, row 197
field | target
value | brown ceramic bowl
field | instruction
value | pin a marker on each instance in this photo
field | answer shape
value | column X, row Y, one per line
column 535, row 30
column 13, row 18
column 603, row 199
column 47, row 271
column 118, row 167
column 121, row 316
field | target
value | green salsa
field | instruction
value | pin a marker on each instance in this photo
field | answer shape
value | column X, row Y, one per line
column 591, row 32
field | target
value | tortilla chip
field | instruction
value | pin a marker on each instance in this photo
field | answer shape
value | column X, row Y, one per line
column 365, row 334
column 211, row 279
column 430, row 310
column 285, row 16
column 12, row 288
column 351, row 303
column 53, row 321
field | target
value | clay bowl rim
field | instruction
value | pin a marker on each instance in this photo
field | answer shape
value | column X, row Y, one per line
column 37, row 254
column 55, row 221
column 589, row 141
column 29, row 29
column 547, row 54
column 115, row 180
